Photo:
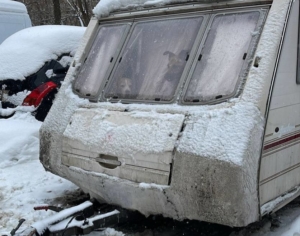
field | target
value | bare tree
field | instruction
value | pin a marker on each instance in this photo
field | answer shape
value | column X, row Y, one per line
column 83, row 10
column 72, row 12
column 56, row 12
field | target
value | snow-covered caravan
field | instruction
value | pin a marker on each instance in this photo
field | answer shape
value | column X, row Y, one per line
column 186, row 109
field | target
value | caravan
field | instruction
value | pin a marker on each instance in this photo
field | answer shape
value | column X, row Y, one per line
column 186, row 109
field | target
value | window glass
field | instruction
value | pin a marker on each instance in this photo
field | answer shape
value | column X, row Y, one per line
column 153, row 59
column 222, row 57
column 98, row 61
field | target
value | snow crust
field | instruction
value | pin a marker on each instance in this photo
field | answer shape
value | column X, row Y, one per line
column 105, row 7
column 26, row 51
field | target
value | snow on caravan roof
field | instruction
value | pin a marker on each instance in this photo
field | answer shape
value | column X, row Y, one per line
column 105, row 7
column 12, row 6
column 26, row 51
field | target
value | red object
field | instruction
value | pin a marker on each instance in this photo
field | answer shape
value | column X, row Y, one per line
column 36, row 96
column 37, row 208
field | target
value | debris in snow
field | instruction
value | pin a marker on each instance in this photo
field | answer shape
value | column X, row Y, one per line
column 83, row 224
column 42, row 225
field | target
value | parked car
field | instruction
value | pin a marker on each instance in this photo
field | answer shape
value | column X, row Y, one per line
column 13, row 17
column 34, row 62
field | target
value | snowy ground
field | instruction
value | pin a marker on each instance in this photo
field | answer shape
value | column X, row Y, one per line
column 24, row 183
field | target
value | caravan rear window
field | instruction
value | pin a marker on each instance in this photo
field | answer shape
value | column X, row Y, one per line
column 222, row 58
column 195, row 59
column 153, row 59
column 100, row 57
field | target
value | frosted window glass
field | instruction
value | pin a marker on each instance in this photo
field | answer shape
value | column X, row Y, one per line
column 99, row 58
column 153, row 59
column 222, row 57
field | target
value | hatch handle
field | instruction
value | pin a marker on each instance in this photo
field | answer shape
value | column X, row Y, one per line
column 107, row 161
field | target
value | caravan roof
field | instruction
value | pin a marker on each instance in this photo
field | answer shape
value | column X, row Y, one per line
column 12, row 6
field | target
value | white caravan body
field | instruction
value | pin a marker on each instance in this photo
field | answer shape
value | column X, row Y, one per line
column 13, row 17
column 190, row 110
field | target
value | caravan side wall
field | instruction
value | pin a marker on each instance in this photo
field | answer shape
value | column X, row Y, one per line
column 280, row 163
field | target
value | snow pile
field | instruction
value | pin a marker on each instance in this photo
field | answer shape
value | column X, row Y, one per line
column 24, row 182
column 105, row 7
column 26, row 51
column 19, row 140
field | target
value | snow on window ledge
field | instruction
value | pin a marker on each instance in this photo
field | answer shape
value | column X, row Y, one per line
column 105, row 7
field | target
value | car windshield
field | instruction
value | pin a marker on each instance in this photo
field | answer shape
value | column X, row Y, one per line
column 102, row 53
column 153, row 59
column 222, row 57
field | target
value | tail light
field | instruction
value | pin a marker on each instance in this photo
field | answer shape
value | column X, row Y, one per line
column 37, row 95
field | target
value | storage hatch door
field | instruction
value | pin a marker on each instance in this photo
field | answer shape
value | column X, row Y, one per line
column 137, row 146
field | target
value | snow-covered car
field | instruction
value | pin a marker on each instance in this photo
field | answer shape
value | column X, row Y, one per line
column 34, row 62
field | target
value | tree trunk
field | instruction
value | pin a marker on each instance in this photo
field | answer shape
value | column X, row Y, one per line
column 57, row 12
